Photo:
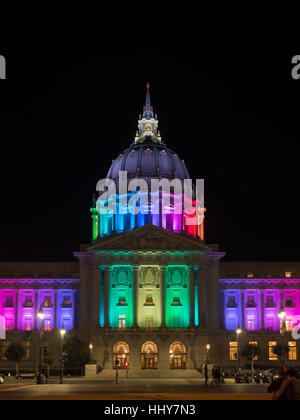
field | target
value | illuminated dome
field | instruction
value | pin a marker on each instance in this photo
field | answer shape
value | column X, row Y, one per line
column 149, row 160
column 148, row 157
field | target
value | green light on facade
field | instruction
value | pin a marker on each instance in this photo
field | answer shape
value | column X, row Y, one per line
column 121, row 296
column 177, row 302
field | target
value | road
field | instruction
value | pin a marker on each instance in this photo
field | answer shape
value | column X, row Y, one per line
column 131, row 389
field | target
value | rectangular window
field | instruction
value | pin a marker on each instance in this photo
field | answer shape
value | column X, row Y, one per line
column 270, row 302
column 233, row 350
column 254, row 343
column 231, row 302
column 5, row 345
column 251, row 302
column 149, row 301
column 28, row 302
column 67, row 302
column 289, row 302
column 289, row 325
column 149, row 324
column 251, row 322
column 272, row 355
column 122, row 322
column 9, row 303
column 292, row 350
column 47, row 302
column 26, row 346
column 176, row 302
column 122, row 301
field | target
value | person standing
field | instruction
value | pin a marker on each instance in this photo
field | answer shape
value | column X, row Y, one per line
column 290, row 386
column 206, row 375
column 276, row 384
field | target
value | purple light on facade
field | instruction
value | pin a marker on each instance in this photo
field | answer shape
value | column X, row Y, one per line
column 20, row 307
column 255, row 309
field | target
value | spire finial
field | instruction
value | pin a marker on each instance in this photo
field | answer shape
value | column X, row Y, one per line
column 148, row 87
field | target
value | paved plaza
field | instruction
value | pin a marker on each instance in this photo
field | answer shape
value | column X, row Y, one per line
column 131, row 389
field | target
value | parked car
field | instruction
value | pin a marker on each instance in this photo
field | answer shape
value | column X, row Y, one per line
column 1, row 378
column 270, row 375
column 26, row 375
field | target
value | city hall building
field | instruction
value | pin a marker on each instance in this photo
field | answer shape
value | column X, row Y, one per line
column 148, row 290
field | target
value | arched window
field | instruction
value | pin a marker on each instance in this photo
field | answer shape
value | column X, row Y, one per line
column 149, row 355
column 177, row 355
column 121, row 353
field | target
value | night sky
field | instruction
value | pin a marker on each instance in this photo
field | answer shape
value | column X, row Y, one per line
column 226, row 103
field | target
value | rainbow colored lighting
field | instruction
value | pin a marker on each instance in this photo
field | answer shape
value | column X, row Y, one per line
column 165, row 212
column 20, row 307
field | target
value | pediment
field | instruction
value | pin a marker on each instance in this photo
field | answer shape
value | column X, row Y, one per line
column 149, row 237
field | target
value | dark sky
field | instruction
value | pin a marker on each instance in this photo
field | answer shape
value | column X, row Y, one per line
column 226, row 102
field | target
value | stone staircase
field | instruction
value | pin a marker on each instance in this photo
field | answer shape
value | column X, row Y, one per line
column 151, row 373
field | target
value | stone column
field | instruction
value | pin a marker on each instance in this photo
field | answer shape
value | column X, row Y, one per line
column 213, row 295
column 162, row 296
column 201, row 297
column 16, row 308
column 96, row 292
column 36, row 311
column 222, row 297
column 106, row 296
column 54, row 309
column 262, row 309
column 136, row 294
column 242, row 326
column 192, row 296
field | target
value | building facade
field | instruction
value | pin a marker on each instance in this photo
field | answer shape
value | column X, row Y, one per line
column 148, row 291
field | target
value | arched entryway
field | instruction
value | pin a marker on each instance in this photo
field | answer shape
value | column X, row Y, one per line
column 121, row 353
column 149, row 355
column 177, row 355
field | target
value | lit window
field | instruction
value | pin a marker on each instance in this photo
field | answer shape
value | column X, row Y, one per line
column 250, row 275
column 254, row 343
column 251, row 323
column 292, row 350
column 176, row 302
column 233, row 349
column 47, row 302
column 122, row 301
column 122, row 322
column 289, row 325
column 288, row 274
column 272, row 355
column 149, row 301
column 67, row 302
column 149, row 324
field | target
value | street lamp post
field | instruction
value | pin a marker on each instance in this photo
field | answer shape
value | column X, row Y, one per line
column 117, row 373
column 41, row 317
column 282, row 316
column 62, row 335
column 238, row 333
column 207, row 353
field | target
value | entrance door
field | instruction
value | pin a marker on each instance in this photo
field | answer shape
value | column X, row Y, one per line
column 149, row 356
